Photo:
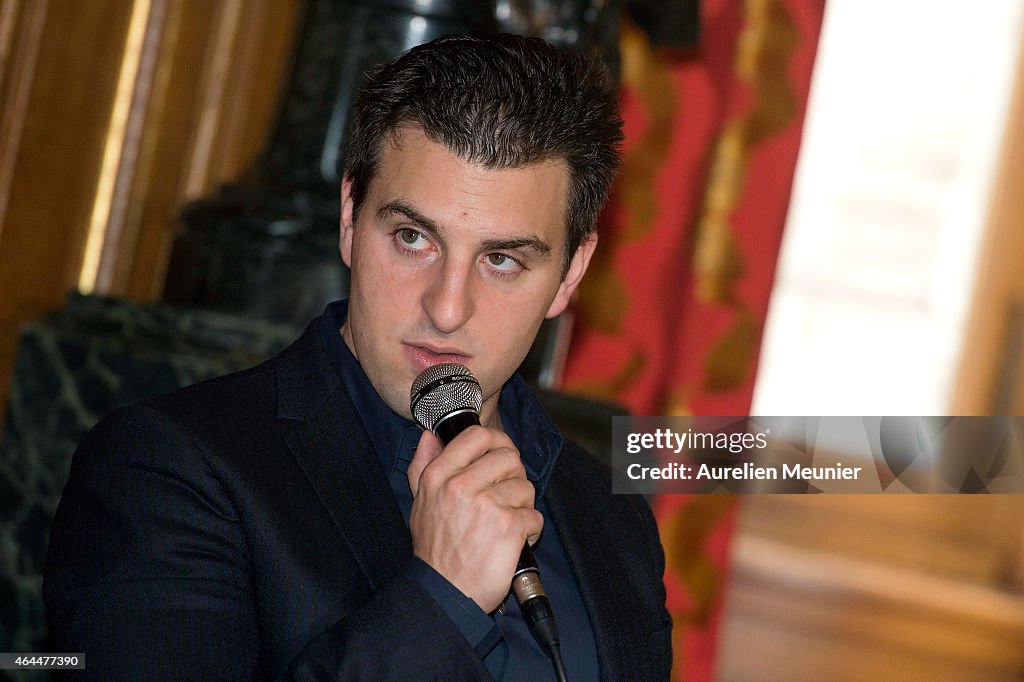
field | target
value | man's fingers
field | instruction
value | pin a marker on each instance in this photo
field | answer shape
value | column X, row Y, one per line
column 427, row 451
column 474, row 459
column 513, row 493
column 497, row 465
column 471, row 444
column 535, row 524
column 472, row 510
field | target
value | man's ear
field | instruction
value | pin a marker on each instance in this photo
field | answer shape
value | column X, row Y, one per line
column 577, row 268
column 347, row 224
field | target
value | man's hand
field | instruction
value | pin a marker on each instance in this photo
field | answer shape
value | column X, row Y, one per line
column 472, row 510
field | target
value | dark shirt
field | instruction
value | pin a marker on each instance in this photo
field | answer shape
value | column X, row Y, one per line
column 502, row 640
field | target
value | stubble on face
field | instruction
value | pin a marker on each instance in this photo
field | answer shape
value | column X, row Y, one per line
column 433, row 254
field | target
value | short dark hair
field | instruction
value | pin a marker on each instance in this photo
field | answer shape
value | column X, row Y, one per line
column 502, row 101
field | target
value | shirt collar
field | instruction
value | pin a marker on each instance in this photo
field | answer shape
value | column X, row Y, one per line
column 394, row 437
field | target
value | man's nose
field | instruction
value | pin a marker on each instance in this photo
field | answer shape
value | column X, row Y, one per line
column 449, row 300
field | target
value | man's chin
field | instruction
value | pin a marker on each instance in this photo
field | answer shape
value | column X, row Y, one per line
column 399, row 403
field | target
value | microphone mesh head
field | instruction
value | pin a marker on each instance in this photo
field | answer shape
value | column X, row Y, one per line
column 441, row 390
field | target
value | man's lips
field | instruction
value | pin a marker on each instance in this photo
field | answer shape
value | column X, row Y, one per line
column 423, row 356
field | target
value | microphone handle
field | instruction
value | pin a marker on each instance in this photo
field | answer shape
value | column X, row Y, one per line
column 533, row 601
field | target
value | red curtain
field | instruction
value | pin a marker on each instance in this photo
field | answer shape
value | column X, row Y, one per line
column 670, row 317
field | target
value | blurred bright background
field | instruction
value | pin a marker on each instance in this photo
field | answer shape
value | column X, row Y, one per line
column 895, row 192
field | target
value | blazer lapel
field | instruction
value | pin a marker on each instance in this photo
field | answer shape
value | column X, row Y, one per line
column 600, row 577
column 332, row 448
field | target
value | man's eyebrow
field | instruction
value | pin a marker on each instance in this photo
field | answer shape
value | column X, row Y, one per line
column 403, row 208
column 534, row 243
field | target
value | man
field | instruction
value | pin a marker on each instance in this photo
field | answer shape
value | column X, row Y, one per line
column 291, row 521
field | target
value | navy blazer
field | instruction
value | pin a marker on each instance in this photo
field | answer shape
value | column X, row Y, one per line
column 243, row 528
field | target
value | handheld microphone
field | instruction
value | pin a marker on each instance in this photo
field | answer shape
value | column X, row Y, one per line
column 446, row 399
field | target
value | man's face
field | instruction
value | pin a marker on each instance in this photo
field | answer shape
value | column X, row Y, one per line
column 452, row 262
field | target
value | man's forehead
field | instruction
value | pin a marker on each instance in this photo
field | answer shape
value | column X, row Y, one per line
column 425, row 180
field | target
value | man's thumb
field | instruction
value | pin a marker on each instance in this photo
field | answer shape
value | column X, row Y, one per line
column 427, row 450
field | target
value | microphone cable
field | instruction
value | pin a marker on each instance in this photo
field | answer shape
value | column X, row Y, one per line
column 536, row 609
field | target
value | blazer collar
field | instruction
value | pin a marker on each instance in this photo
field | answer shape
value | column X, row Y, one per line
column 333, row 449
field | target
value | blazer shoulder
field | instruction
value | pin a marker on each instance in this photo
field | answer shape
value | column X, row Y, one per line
column 182, row 428
column 242, row 405
column 245, row 395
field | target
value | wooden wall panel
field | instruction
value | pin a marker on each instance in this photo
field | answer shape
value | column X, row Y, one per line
column 252, row 104
column 70, row 51
column 991, row 365
column 157, row 187
column 225, row 66
column 991, row 375
column 219, row 69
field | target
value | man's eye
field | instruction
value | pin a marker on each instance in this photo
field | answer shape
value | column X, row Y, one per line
column 412, row 238
column 502, row 262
